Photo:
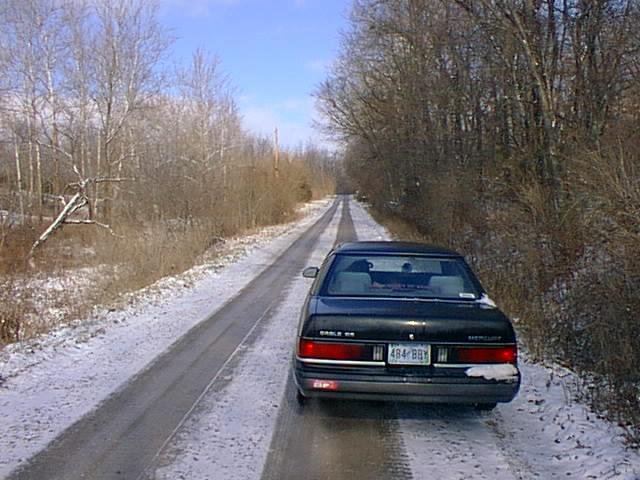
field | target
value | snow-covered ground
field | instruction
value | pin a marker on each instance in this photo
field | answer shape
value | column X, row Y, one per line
column 49, row 383
column 230, row 431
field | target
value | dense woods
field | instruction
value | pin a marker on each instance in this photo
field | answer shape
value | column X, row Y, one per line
column 149, row 159
column 510, row 130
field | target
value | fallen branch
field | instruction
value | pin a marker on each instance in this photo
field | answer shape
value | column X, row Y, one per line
column 93, row 222
column 76, row 202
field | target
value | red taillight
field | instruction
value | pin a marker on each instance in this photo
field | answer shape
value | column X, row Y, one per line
column 332, row 350
column 508, row 354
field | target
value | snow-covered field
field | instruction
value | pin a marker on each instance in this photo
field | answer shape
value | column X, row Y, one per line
column 49, row 384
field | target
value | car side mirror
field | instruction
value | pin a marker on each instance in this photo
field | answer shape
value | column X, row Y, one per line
column 310, row 272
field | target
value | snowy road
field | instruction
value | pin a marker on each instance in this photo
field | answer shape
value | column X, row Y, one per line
column 122, row 436
column 218, row 403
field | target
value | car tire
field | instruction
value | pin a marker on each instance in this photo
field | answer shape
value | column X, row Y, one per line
column 300, row 398
column 485, row 407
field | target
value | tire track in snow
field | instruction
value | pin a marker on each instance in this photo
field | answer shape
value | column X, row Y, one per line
column 337, row 440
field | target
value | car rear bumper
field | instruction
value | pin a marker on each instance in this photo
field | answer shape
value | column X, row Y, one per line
column 458, row 390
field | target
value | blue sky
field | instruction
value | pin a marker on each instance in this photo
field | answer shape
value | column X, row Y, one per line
column 274, row 51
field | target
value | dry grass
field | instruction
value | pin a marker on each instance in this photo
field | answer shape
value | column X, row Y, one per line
column 16, row 243
column 88, row 266
column 141, row 256
column 15, row 305
column 399, row 228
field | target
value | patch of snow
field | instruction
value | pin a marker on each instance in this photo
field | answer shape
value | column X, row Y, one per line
column 453, row 443
column 51, row 297
column 504, row 371
column 487, row 301
column 52, row 381
column 366, row 227
column 13, row 219
column 557, row 437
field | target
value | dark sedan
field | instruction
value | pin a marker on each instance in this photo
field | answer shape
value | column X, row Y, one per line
column 403, row 321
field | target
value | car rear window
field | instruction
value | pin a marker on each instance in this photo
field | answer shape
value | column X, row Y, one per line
column 400, row 276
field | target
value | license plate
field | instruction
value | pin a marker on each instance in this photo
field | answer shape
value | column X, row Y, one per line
column 409, row 354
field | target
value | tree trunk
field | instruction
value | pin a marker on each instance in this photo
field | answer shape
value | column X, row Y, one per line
column 39, row 181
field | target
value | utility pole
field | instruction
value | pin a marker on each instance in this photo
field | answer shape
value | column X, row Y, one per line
column 276, row 153
column 19, row 177
column 223, row 163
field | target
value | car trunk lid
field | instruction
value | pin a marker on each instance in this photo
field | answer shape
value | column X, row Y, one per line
column 393, row 320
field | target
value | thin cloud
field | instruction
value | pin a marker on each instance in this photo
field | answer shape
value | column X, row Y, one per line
column 301, row 105
column 292, row 131
column 197, row 7
column 318, row 65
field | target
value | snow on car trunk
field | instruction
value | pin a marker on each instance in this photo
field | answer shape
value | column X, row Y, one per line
column 493, row 372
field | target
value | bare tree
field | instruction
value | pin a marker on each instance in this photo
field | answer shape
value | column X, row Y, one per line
column 127, row 49
column 91, row 123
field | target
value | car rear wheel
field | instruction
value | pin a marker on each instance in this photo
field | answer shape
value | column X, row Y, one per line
column 300, row 398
